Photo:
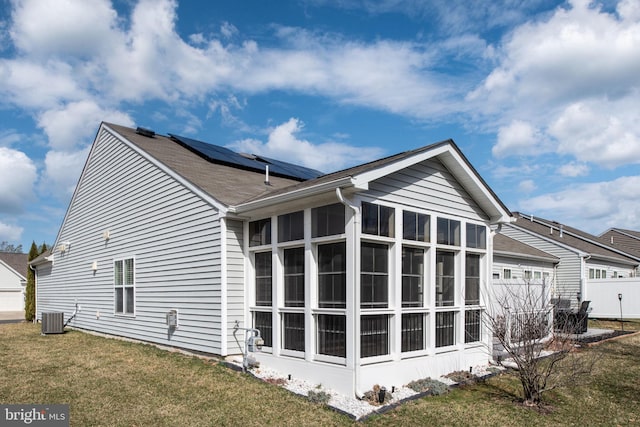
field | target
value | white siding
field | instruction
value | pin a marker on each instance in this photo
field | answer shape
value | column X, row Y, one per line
column 172, row 234
column 235, row 285
column 568, row 279
column 428, row 185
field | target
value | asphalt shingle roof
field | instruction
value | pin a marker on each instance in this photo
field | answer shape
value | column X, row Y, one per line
column 572, row 237
column 17, row 261
column 504, row 245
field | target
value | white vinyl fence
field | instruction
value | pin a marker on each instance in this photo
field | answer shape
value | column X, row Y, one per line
column 605, row 303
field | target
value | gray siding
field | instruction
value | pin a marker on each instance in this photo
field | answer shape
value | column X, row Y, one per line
column 568, row 277
column 172, row 234
column 427, row 181
column 235, row 284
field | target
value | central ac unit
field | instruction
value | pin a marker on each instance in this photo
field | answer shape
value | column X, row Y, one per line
column 52, row 323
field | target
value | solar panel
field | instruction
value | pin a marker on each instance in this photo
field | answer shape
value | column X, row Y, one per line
column 222, row 155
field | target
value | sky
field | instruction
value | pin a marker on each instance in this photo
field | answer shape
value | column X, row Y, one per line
column 541, row 96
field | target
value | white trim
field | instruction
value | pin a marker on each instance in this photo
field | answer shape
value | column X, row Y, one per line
column 224, row 333
column 291, row 195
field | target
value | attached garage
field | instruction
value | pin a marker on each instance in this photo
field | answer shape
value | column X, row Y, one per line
column 13, row 281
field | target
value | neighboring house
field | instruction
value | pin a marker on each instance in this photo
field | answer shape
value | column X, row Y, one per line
column 625, row 240
column 515, row 262
column 370, row 275
column 13, row 281
column 583, row 257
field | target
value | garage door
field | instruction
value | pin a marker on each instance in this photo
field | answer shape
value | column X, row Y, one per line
column 11, row 300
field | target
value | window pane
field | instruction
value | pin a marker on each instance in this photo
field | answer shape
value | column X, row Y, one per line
column 332, row 335
column 476, row 236
column 507, row 273
column 374, row 335
column 415, row 226
column 291, row 226
column 128, row 271
column 263, row 278
column 294, row 331
column 445, row 278
column 260, row 232
column 445, row 328
column 472, row 280
column 412, row 276
column 119, row 300
column 129, row 298
column 448, row 232
column 327, row 220
column 374, row 275
column 412, row 332
column 294, row 277
column 369, row 218
column 262, row 322
column 472, row 326
column 117, row 272
column 332, row 275
column 386, row 221
column 409, row 226
column 377, row 220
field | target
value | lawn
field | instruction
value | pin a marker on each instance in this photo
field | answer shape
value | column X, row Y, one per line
column 115, row 383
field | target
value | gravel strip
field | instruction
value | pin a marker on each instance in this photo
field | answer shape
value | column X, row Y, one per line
column 349, row 405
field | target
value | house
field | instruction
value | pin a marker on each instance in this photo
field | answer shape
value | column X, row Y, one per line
column 13, row 281
column 584, row 258
column 370, row 275
column 625, row 240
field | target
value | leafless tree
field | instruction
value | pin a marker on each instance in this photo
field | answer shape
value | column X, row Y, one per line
column 521, row 318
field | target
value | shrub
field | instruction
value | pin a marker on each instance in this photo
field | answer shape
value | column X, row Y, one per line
column 319, row 396
column 433, row 387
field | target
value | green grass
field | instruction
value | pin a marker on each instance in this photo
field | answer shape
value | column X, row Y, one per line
column 115, row 383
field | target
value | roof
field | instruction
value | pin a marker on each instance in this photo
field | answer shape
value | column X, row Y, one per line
column 227, row 184
column 506, row 246
column 624, row 240
column 579, row 240
column 242, row 189
column 17, row 261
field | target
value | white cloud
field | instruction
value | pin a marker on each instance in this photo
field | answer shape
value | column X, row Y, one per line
column 285, row 144
column 228, row 30
column 75, row 123
column 519, row 138
column 17, row 176
column 591, row 132
column 527, row 186
column 574, row 76
column 573, row 169
column 62, row 171
column 592, row 207
column 63, row 27
column 10, row 233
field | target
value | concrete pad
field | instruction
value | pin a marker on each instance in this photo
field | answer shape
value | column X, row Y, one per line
column 11, row 316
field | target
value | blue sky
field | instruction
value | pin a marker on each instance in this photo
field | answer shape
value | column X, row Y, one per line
column 541, row 96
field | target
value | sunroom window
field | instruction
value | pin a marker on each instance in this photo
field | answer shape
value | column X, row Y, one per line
column 374, row 277
column 415, row 226
column 332, row 275
column 472, row 280
column 331, row 338
column 327, row 220
column 263, row 278
column 412, row 276
column 260, row 232
column 374, row 335
column 377, row 220
column 291, row 226
column 448, row 232
column 294, row 277
column 445, row 278
column 476, row 236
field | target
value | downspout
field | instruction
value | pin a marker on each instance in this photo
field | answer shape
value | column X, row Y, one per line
column 584, row 274
column 35, row 293
column 356, row 347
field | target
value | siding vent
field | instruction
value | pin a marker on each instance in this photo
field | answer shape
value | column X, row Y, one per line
column 145, row 132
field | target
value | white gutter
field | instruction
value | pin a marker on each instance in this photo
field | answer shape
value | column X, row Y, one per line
column 356, row 300
column 291, row 195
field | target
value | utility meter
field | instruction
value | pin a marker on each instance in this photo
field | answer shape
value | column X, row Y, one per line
column 255, row 343
column 172, row 318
